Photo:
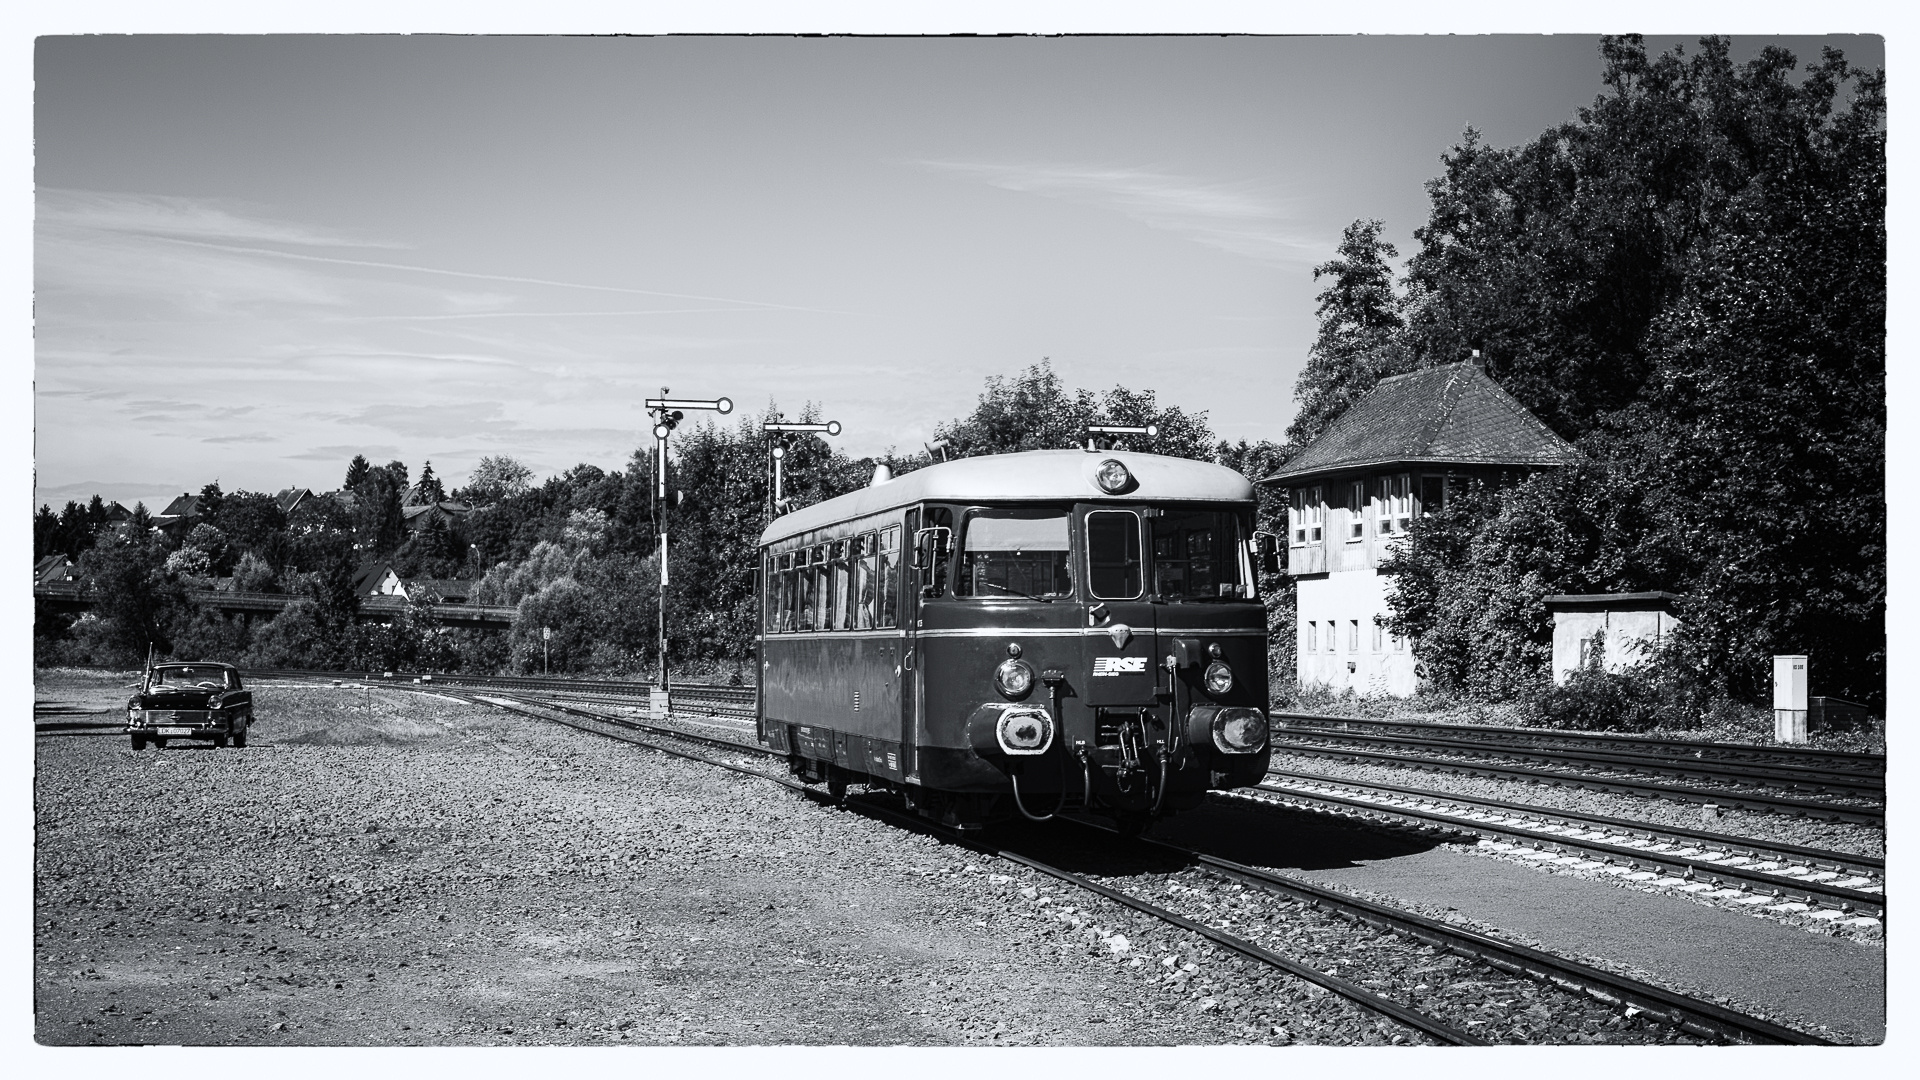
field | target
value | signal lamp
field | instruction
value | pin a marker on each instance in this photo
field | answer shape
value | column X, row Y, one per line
column 1219, row 678
column 1013, row 678
column 660, row 431
column 1113, row 477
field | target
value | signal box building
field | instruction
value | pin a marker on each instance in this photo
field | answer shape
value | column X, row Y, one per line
column 1354, row 490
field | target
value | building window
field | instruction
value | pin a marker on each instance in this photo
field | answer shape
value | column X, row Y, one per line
column 1309, row 515
column 1433, row 493
column 1313, row 634
column 1396, row 504
column 1356, row 510
column 1379, row 631
column 1353, row 635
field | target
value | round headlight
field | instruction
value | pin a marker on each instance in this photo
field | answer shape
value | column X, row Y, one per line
column 1013, row 678
column 1240, row 731
column 1113, row 477
column 1219, row 678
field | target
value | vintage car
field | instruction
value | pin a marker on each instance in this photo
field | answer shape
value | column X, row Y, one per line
column 190, row 701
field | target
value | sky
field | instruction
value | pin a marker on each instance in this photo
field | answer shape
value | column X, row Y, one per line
column 255, row 257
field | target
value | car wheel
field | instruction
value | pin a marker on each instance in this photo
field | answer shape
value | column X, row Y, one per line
column 159, row 743
column 240, row 736
column 219, row 742
column 139, row 743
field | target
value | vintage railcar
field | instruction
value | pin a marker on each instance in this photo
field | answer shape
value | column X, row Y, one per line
column 1022, row 633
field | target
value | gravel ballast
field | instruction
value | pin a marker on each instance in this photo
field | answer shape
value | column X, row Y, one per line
column 386, row 867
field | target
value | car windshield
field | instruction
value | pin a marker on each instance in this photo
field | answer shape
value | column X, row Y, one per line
column 189, row 678
column 1016, row 553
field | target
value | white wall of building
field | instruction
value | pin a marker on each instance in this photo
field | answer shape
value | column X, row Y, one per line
column 1342, row 641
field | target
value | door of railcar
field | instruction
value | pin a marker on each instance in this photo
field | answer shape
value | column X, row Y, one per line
column 1119, row 642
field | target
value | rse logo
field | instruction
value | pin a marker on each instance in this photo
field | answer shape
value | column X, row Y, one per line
column 1119, row 665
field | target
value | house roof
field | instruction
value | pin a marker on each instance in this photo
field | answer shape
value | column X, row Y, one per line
column 370, row 576
column 445, row 506
column 290, row 498
column 116, row 512
column 185, row 506
column 1454, row 414
column 1032, row 476
column 53, row 568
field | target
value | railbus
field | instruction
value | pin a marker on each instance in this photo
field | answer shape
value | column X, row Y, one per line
column 1030, row 633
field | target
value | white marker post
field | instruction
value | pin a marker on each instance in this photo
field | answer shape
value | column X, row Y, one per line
column 1790, row 699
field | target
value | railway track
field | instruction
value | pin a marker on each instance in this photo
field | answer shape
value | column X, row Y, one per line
column 1699, row 1017
column 1839, row 762
column 1623, row 785
column 1755, row 871
column 1781, row 777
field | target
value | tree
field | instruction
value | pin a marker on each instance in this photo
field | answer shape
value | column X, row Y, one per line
column 1690, row 282
column 211, row 500
column 428, row 491
column 1360, row 323
column 46, row 532
column 497, row 477
column 1033, row 410
column 132, row 596
column 357, row 470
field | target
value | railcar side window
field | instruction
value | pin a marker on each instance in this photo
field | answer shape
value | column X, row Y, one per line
column 813, row 568
column 866, row 548
column 837, row 603
column 770, row 594
column 1113, row 554
column 889, row 584
column 1016, row 553
column 791, row 564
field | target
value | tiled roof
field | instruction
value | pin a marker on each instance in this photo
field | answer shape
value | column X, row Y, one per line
column 184, row 506
column 290, row 498
column 369, row 577
column 1448, row 415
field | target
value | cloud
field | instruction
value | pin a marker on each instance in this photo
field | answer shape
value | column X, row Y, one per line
column 344, row 454
column 256, row 437
column 173, row 216
column 1227, row 217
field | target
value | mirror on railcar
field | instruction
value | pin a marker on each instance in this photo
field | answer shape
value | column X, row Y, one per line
column 1267, row 552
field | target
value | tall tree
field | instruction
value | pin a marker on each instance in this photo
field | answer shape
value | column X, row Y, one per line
column 1358, row 344
column 1690, row 281
column 357, row 470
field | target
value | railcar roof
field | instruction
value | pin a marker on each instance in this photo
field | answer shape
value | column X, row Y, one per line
column 1033, row 476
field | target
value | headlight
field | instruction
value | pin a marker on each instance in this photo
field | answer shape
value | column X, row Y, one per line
column 1219, row 678
column 1013, row 678
column 1239, row 731
column 1024, row 729
column 1113, row 477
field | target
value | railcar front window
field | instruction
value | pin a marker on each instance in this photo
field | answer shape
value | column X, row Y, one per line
column 1196, row 556
column 1016, row 553
column 1113, row 554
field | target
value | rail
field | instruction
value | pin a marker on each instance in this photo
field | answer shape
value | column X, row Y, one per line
column 1690, row 1013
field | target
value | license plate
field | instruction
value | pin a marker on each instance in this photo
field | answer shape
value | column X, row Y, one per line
column 175, row 731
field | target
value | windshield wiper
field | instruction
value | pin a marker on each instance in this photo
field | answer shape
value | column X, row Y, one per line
column 1016, row 592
